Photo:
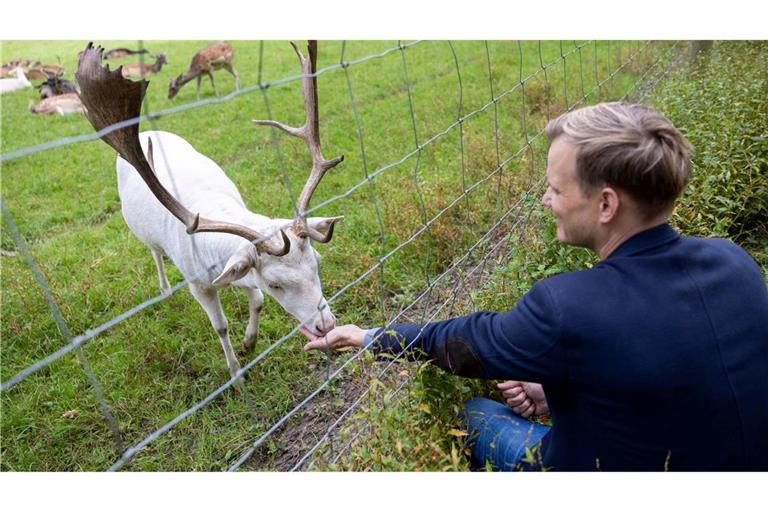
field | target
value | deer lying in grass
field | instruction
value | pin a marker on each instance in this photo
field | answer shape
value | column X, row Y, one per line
column 45, row 71
column 25, row 64
column 263, row 257
column 123, row 52
column 14, row 84
column 140, row 70
column 205, row 62
column 32, row 69
column 55, row 86
column 61, row 104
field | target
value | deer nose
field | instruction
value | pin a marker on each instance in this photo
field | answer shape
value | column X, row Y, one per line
column 325, row 323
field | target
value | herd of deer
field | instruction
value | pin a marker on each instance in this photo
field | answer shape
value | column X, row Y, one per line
column 59, row 96
column 169, row 203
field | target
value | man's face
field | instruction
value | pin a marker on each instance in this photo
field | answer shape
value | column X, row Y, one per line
column 576, row 214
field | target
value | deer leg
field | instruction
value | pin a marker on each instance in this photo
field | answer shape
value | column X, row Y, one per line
column 232, row 71
column 209, row 300
column 165, row 287
column 216, row 92
column 199, row 79
column 255, row 302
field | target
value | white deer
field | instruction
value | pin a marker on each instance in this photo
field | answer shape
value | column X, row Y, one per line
column 157, row 193
column 14, row 84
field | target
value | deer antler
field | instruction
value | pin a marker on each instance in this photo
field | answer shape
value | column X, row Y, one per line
column 109, row 98
column 310, row 133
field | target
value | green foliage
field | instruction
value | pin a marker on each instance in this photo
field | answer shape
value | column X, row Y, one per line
column 720, row 106
column 537, row 254
column 411, row 430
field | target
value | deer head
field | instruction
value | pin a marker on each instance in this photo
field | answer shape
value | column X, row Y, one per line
column 174, row 86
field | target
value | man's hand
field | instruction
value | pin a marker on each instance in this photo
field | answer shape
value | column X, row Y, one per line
column 339, row 338
column 525, row 398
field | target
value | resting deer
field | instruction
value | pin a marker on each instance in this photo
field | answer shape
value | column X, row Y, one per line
column 141, row 70
column 123, row 52
column 61, row 104
column 25, row 64
column 14, row 84
column 46, row 71
column 262, row 257
column 55, row 86
column 205, row 62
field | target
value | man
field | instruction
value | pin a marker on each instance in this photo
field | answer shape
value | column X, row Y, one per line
column 655, row 358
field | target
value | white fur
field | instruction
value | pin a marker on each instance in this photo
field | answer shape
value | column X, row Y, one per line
column 14, row 84
column 202, row 187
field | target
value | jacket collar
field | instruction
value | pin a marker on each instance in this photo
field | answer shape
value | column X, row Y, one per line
column 646, row 240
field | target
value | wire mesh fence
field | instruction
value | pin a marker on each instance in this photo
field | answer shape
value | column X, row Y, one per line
column 445, row 157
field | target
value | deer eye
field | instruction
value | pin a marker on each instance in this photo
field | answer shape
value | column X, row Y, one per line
column 274, row 286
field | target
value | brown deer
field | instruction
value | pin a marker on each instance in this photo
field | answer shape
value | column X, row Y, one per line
column 264, row 256
column 205, row 62
column 61, row 104
column 25, row 64
column 141, row 70
column 123, row 52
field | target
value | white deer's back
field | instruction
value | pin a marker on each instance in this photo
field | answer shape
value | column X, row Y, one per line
column 201, row 186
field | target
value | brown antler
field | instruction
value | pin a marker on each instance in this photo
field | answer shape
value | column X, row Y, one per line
column 109, row 98
column 310, row 133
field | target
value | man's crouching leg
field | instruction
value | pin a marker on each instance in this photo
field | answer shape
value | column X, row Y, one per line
column 498, row 436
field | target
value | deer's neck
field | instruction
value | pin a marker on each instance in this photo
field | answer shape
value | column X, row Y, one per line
column 188, row 76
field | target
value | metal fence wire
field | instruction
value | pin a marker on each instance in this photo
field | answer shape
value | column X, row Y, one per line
column 508, row 124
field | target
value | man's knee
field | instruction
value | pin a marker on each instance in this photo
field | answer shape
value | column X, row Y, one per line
column 497, row 435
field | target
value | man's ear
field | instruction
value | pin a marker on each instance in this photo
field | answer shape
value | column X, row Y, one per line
column 238, row 265
column 610, row 204
column 322, row 224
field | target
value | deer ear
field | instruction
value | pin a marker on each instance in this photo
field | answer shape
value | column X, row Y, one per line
column 322, row 224
column 237, row 267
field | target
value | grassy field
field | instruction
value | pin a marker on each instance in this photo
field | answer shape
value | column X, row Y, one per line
column 376, row 112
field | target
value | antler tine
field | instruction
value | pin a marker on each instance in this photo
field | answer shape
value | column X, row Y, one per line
column 310, row 133
column 109, row 99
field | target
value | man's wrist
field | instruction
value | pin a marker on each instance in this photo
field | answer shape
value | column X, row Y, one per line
column 370, row 336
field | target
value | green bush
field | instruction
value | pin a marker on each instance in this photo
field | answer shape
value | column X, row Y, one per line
column 719, row 104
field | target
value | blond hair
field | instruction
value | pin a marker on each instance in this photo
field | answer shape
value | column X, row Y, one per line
column 628, row 146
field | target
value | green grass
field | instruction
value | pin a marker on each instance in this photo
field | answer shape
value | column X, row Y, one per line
column 159, row 362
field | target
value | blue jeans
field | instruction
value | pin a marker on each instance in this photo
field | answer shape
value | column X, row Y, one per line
column 499, row 436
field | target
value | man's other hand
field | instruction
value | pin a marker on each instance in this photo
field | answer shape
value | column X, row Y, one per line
column 525, row 398
column 339, row 338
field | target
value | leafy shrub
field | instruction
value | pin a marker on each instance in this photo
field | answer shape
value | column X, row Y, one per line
column 720, row 106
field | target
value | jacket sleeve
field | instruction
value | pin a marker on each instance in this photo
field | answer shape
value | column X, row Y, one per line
column 522, row 344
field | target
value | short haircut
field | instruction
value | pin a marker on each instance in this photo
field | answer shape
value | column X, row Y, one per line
column 630, row 147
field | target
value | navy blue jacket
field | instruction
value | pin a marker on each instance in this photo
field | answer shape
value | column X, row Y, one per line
column 656, row 357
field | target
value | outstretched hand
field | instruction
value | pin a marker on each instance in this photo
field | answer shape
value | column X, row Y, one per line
column 339, row 338
column 525, row 398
